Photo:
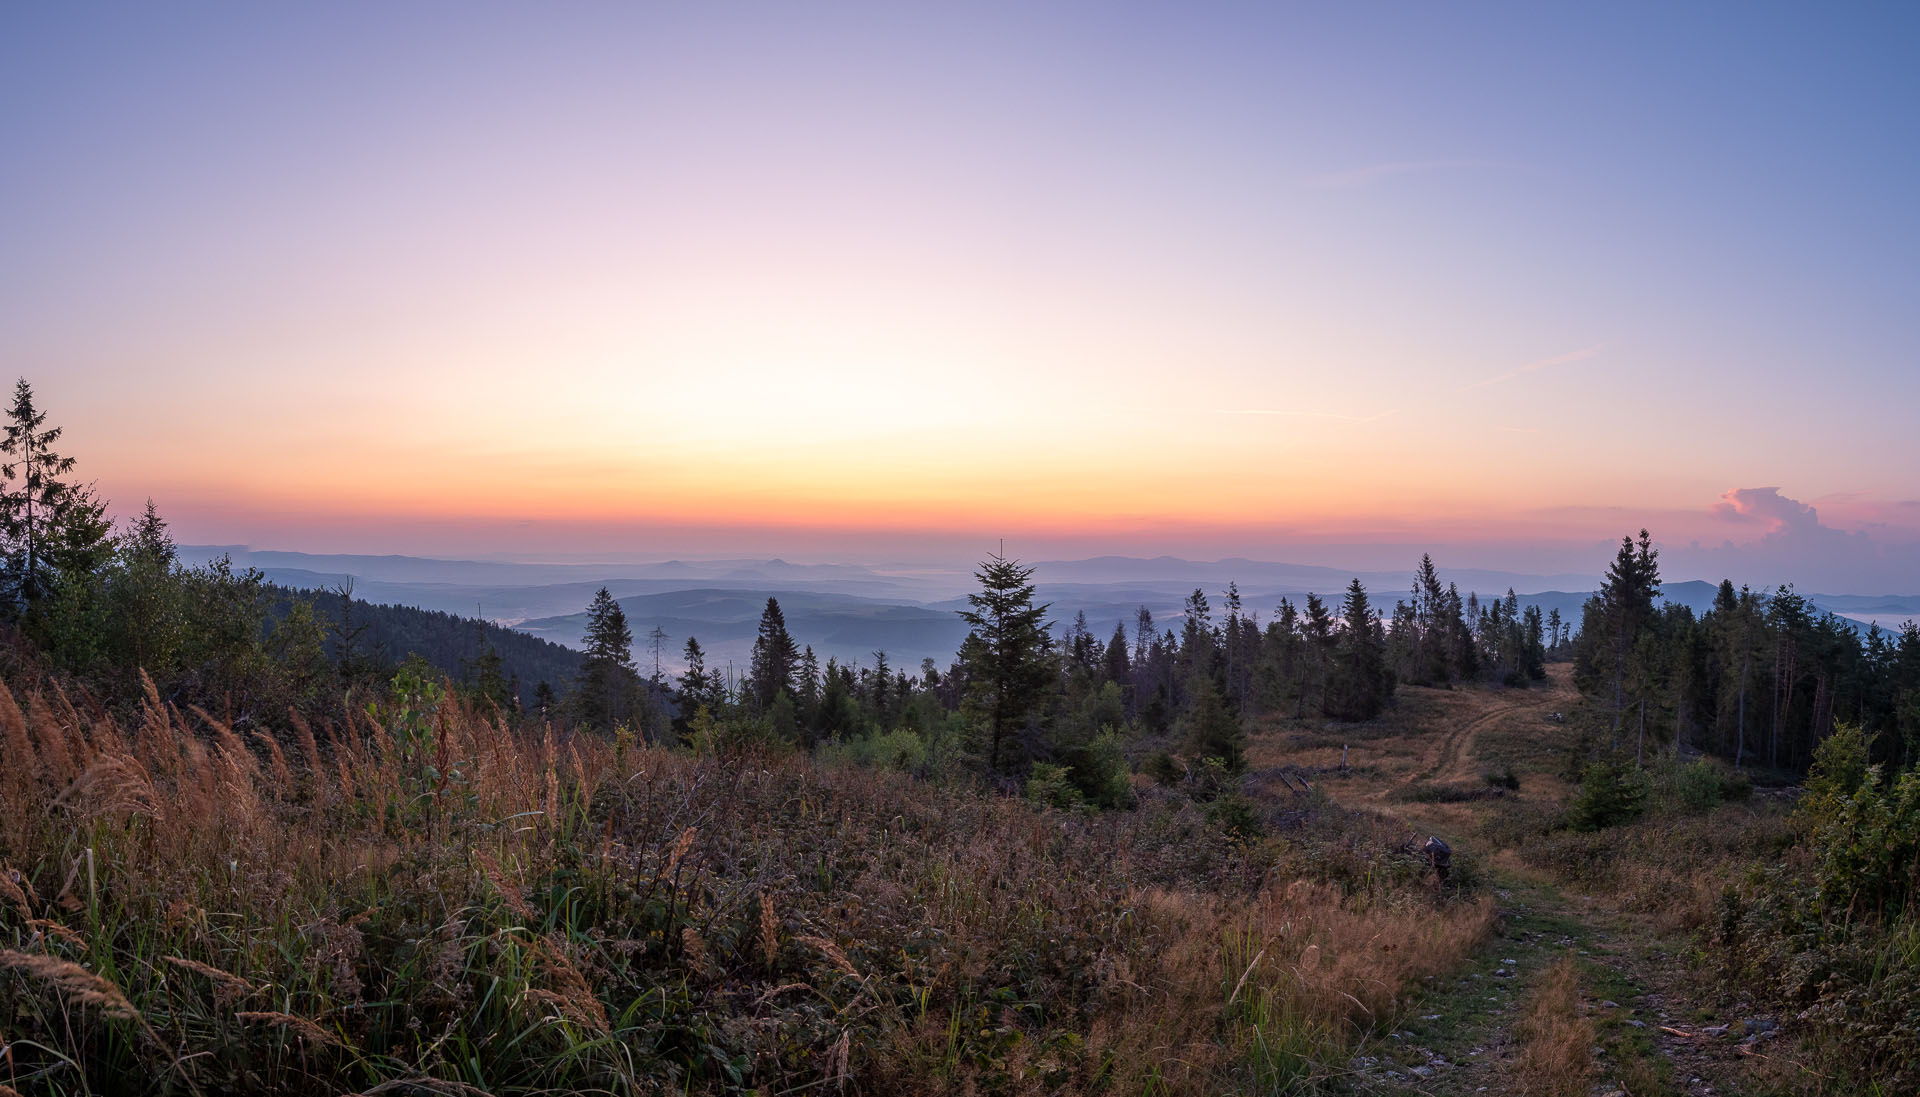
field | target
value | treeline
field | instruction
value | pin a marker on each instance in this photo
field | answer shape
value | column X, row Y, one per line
column 1760, row 678
column 368, row 640
column 107, row 606
column 229, row 641
column 1021, row 702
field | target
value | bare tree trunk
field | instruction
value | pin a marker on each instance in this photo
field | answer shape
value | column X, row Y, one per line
column 1740, row 733
column 1679, row 720
column 1619, row 675
column 1640, row 748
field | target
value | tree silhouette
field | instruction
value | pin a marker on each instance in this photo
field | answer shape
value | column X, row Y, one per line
column 1006, row 656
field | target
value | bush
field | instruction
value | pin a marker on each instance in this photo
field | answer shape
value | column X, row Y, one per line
column 1867, row 847
column 1503, row 777
column 1099, row 770
column 1699, row 786
column 1049, row 785
column 1235, row 815
column 1611, row 792
column 1162, row 768
column 901, row 750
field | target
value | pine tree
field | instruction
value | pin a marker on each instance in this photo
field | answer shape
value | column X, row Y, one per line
column 807, row 685
column 1278, row 676
column 1213, row 731
column 1361, row 680
column 1316, row 631
column 1626, row 603
column 1456, row 623
column 609, row 682
column 49, row 524
column 1117, row 669
column 1080, row 642
column 1237, row 647
column 696, row 685
column 1534, row 654
column 1008, row 667
column 775, row 657
column 149, row 537
column 1430, row 644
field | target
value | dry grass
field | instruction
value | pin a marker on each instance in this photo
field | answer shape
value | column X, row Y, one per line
column 299, row 1028
column 554, row 920
column 1556, row 1055
column 74, row 985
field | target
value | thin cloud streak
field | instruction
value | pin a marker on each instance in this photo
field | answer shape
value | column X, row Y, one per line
column 1531, row 367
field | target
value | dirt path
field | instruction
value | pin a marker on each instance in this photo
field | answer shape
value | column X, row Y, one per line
column 1653, row 1032
column 1456, row 751
column 1649, row 1035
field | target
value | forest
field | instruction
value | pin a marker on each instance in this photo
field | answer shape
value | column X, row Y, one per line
column 272, row 840
column 1758, row 680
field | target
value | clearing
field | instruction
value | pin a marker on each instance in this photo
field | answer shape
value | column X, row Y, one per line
column 1656, row 1025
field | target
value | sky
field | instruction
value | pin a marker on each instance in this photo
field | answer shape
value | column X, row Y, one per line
column 1317, row 283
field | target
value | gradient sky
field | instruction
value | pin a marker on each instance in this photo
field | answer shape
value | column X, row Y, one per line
column 1284, row 281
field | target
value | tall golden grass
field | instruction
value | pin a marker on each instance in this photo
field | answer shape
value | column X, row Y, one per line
column 191, row 905
column 1556, row 1053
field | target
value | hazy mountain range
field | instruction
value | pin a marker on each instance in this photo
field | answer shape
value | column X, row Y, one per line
column 851, row 611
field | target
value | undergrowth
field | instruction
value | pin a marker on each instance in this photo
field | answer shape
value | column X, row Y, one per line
column 429, row 900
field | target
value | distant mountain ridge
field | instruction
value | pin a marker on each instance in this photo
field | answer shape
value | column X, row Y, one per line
column 850, row 611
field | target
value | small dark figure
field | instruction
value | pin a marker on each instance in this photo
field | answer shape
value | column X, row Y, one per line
column 1440, row 856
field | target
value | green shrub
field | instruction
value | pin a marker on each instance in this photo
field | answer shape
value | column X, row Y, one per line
column 1699, row 786
column 900, row 749
column 1867, row 847
column 1162, row 768
column 1234, row 814
column 1612, row 791
column 1839, row 767
column 1503, row 776
column 1099, row 770
column 1049, row 784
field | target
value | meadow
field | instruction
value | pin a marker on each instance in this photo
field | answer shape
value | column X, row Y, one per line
column 435, row 902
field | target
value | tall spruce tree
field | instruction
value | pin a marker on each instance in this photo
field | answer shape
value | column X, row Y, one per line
column 775, row 657
column 50, row 525
column 696, row 685
column 1118, row 670
column 1626, row 605
column 1006, row 658
column 1430, row 644
column 609, row 683
column 1361, row 681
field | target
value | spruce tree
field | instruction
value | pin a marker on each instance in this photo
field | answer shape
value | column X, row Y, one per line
column 807, row 685
column 608, row 682
column 49, row 524
column 1430, row 644
column 1213, row 731
column 1626, row 603
column 775, row 657
column 696, row 685
column 1007, row 657
column 1316, row 630
column 1197, row 647
column 1117, row 669
column 1361, row 680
